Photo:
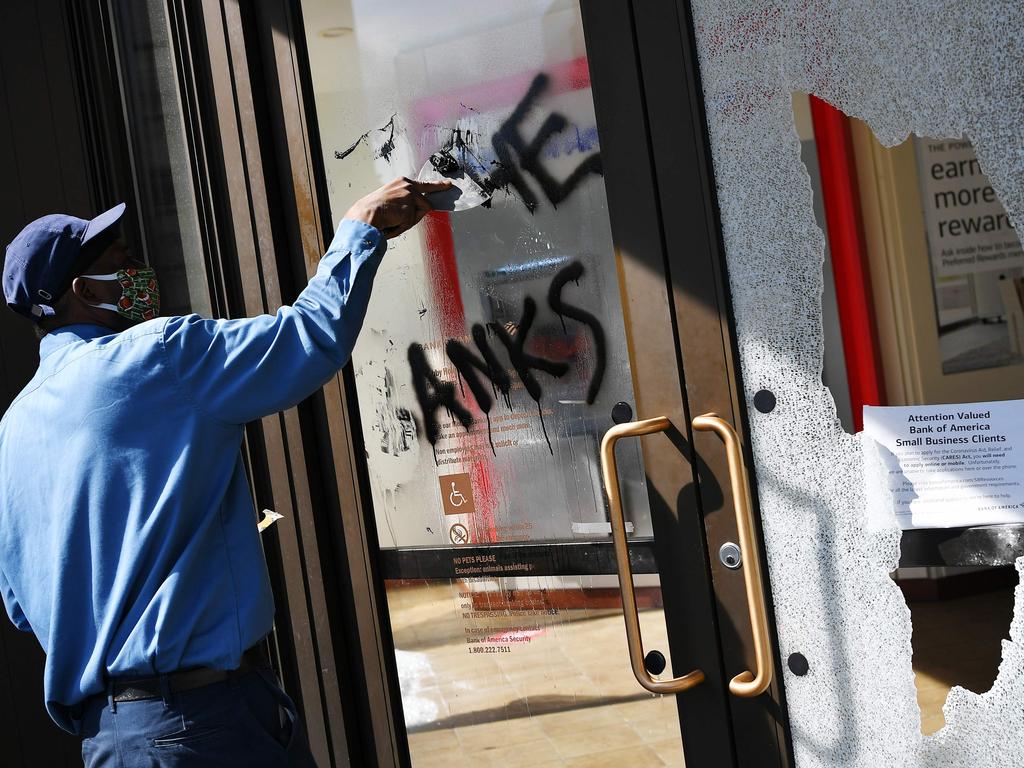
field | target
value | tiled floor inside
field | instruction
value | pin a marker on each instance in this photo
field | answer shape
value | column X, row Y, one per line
column 563, row 693
column 957, row 642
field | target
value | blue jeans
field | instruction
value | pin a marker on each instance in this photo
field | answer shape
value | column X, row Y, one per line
column 237, row 722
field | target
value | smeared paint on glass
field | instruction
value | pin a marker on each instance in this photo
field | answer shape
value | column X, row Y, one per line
column 509, row 347
column 385, row 148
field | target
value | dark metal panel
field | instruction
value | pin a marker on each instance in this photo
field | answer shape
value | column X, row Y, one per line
column 41, row 741
column 273, row 78
column 6, row 392
column 635, row 209
column 383, row 731
column 268, row 189
column 10, row 731
column 299, row 620
column 359, row 716
column 187, row 37
column 20, row 355
column 584, row 559
column 42, row 171
column 32, row 124
column 12, row 209
column 69, row 151
column 236, row 117
column 18, row 351
column 260, row 243
column 99, row 105
column 246, row 199
column 711, row 373
column 376, row 731
column 232, row 183
column 15, row 367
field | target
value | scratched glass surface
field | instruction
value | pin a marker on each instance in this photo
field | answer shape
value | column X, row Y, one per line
column 492, row 356
column 494, row 349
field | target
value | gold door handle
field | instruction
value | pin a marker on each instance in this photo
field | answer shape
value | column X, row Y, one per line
column 745, row 683
column 629, row 613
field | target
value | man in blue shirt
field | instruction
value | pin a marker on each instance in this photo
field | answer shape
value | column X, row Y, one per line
column 128, row 541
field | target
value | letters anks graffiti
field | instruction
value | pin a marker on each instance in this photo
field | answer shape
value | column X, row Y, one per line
column 433, row 393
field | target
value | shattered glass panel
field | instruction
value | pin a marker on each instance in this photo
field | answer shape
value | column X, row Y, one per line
column 494, row 351
column 943, row 70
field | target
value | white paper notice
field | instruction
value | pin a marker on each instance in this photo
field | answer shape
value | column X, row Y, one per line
column 950, row 465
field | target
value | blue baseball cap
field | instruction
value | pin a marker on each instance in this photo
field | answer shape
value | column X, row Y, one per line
column 45, row 257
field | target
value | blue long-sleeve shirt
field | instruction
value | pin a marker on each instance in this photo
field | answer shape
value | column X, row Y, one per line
column 128, row 539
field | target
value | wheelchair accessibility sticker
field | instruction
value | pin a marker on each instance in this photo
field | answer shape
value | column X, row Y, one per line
column 457, row 494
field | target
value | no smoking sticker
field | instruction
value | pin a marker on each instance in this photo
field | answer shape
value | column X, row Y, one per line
column 458, row 534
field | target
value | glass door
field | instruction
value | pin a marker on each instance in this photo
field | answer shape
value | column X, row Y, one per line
column 551, row 596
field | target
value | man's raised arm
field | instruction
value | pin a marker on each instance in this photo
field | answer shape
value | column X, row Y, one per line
column 240, row 370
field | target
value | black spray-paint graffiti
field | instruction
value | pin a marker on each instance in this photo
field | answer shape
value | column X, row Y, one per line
column 514, row 153
column 385, row 149
column 573, row 273
column 461, row 153
column 396, row 425
column 508, row 137
column 434, row 393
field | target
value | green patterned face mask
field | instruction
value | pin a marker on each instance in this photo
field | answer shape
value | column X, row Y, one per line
column 140, row 293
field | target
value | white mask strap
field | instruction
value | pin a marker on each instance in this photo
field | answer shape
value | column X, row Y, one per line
column 112, row 276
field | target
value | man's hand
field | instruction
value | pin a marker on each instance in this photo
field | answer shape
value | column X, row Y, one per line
column 397, row 206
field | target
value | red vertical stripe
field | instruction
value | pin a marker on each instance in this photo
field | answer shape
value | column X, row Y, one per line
column 849, row 257
column 447, row 301
column 443, row 265
column 444, row 273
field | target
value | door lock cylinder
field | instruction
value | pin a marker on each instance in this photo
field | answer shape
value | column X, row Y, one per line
column 730, row 555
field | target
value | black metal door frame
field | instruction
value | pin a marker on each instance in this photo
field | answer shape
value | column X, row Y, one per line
column 261, row 172
column 652, row 114
column 673, row 149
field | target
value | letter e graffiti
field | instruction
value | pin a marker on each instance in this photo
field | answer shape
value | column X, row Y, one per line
column 508, row 137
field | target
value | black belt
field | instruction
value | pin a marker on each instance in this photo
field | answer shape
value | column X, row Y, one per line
column 137, row 689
